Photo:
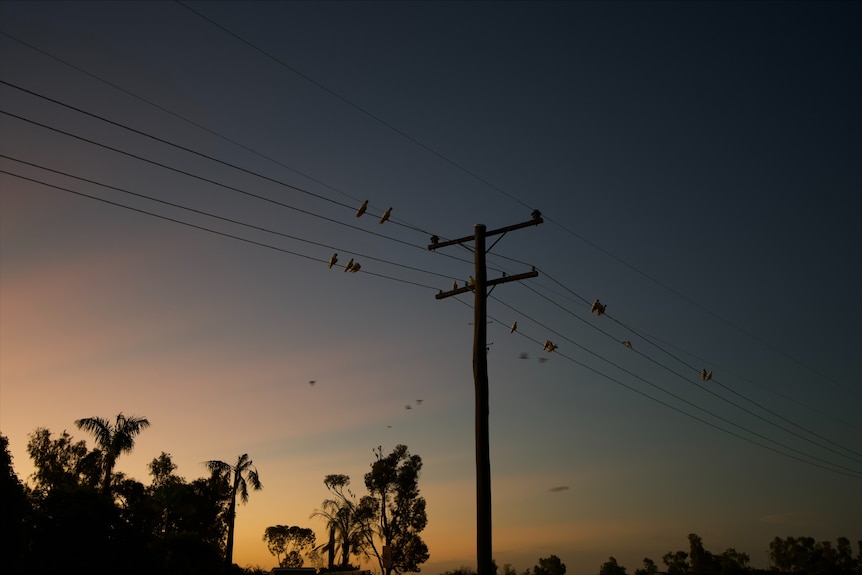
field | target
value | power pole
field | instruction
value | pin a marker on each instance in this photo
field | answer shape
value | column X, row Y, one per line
column 478, row 286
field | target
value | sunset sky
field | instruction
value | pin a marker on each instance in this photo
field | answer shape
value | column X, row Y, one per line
column 699, row 170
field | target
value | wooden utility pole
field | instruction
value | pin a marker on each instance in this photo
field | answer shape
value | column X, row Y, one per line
column 478, row 285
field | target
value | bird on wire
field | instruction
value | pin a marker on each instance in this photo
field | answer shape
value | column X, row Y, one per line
column 362, row 209
column 385, row 216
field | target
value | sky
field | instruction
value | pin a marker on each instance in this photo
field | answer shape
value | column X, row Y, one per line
column 175, row 178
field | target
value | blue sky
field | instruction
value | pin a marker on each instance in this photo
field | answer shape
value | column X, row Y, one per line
column 698, row 169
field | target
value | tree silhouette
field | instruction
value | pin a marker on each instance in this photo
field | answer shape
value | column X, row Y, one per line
column 291, row 541
column 113, row 439
column 240, row 476
column 393, row 483
column 347, row 531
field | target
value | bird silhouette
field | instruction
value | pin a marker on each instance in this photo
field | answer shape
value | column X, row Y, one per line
column 362, row 209
column 385, row 216
column 355, row 267
column 627, row 343
column 333, row 260
column 524, row 355
column 349, row 265
column 598, row 308
column 705, row 376
column 454, row 285
column 513, row 328
column 550, row 346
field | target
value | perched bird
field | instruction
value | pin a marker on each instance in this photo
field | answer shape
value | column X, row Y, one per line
column 598, row 308
column 355, row 267
column 385, row 216
column 454, row 285
column 362, row 209
column 470, row 281
column 349, row 265
column 513, row 328
column 550, row 346
column 536, row 214
column 705, row 376
column 333, row 260
column 627, row 343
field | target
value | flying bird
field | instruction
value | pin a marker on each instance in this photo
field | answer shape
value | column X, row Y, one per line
column 349, row 265
column 627, row 343
column 408, row 406
column 312, row 382
column 418, row 402
column 705, row 376
column 362, row 209
column 513, row 328
column 524, row 355
column 333, row 260
column 385, row 216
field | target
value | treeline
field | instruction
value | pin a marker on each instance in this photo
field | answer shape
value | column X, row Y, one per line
column 793, row 555
column 76, row 515
column 799, row 556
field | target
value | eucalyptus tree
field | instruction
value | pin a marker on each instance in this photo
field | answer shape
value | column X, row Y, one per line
column 239, row 477
column 393, row 484
column 113, row 438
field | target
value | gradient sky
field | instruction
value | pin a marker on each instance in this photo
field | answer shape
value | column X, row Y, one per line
column 698, row 167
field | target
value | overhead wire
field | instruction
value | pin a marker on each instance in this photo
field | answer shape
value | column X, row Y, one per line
column 826, row 465
column 395, row 220
column 854, row 454
column 498, row 189
column 224, row 219
column 854, row 458
column 650, row 339
column 213, row 182
column 201, row 228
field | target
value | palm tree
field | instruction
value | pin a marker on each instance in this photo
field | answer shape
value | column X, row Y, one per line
column 244, row 473
column 113, row 439
column 346, row 530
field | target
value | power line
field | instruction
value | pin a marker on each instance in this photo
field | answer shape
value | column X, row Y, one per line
column 222, row 218
column 709, row 391
column 649, row 339
column 394, row 220
column 201, row 228
column 823, row 463
column 210, row 181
